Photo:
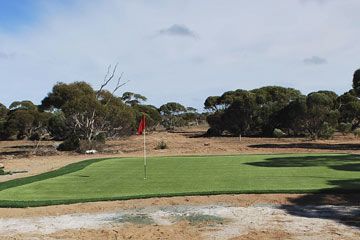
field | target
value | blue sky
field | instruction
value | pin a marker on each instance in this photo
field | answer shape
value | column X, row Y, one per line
column 16, row 14
column 179, row 50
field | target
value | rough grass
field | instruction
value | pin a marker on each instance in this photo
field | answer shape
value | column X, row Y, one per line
column 197, row 218
column 139, row 219
column 122, row 178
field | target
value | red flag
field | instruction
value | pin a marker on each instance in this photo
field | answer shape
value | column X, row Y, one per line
column 141, row 127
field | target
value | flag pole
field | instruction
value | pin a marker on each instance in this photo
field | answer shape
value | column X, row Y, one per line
column 145, row 174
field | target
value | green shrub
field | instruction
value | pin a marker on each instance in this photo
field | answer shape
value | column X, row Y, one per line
column 2, row 170
column 213, row 132
column 35, row 137
column 278, row 133
column 57, row 126
column 72, row 143
column 161, row 145
column 345, row 128
column 101, row 138
column 357, row 132
column 326, row 131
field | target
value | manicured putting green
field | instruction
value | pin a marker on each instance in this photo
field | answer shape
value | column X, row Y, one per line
column 123, row 178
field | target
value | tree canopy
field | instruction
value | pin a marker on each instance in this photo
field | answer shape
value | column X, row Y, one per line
column 76, row 112
column 260, row 111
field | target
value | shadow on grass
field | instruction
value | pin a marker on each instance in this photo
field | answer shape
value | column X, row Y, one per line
column 348, row 162
column 325, row 202
column 355, row 167
column 342, row 208
column 325, row 146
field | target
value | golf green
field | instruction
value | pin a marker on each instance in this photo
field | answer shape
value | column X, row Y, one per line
column 123, row 178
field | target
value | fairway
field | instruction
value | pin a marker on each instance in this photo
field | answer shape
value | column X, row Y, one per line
column 122, row 178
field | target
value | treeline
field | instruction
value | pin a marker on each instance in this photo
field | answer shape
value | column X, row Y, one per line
column 277, row 111
column 84, row 118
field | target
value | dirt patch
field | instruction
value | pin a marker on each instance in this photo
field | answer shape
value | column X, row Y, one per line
column 178, row 231
column 241, row 200
column 265, row 234
column 216, row 221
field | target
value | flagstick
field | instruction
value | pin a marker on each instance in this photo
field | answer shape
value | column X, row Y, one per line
column 144, row 155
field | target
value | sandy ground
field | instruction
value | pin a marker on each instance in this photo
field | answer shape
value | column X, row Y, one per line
column 247, row 216
column 199, row 222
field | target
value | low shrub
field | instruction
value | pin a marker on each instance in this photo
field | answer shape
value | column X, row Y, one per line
column 213, row 132
column 35, row 137
column 101, row 138
column 86, row 145
column 326, row 131
column 345, row 128
column 356, row 132
column 2, row 170
column 278, row 133
column 72, row 143
column 161, row 145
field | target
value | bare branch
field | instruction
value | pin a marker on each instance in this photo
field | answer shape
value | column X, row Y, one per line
column 107, row 78
column 118, row 83
column 107, row 73
column 119, row 86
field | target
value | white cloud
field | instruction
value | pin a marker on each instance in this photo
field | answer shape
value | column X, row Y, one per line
column 5, row 55
column 315, row 1
column 177, row 30
column 315, row 60
column 243, row 44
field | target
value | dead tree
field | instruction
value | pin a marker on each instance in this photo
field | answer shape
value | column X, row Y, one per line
column 89, row 123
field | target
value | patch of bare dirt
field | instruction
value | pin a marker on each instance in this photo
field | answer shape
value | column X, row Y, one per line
column 265, row 234
column 180, row 231
column 240, row 200
column 215, row 221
